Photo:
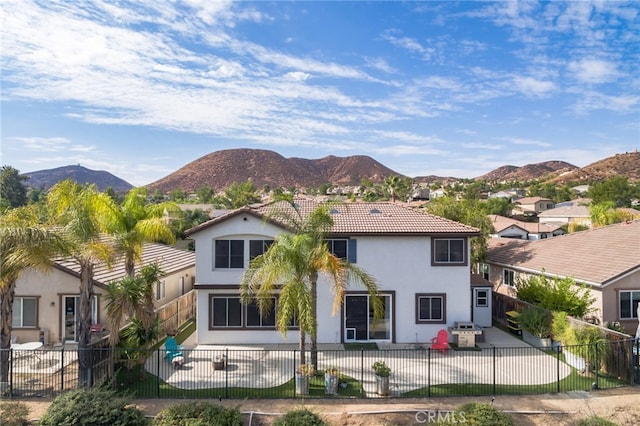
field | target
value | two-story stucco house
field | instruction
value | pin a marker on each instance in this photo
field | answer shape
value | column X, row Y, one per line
column 46, row 303
column 606, row 259
column 420, row 261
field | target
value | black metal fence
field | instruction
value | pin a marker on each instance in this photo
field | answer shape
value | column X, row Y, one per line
column 262, row 373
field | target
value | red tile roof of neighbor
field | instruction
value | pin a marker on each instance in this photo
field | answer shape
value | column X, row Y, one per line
column 597, row 256
column 360, row 219
column 169, row 258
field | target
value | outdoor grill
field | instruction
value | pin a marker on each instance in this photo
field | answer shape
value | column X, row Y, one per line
column 465, row 332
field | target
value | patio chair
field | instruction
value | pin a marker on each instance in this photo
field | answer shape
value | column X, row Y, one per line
column 173, row 352
column 97, row 328
column 441, row 341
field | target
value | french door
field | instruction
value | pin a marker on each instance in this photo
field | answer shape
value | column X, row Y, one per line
column 359, row 322
column 71, row 317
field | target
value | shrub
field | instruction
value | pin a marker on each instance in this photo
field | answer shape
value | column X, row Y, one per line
column 92, row 406
column 198, row 414
column 595, row 421
column 14, row 413
column 536, row 321
column 477, row 414
column 381, row 369
column 556, row 294
column 300, row 417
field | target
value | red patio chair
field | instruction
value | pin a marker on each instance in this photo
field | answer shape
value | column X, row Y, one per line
column 441, row 341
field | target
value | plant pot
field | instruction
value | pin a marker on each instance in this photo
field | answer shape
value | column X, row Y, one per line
column 302, row 384
column 331, row 382
column 538, row 342
column 382, row 385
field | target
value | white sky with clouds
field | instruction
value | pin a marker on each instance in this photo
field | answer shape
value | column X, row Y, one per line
column 142, row 88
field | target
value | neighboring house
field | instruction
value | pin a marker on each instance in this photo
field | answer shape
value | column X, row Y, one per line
column 606, row 259
column 512, row 228
column 421, row 263
column 573, row 213
column 49, row 301
column 531, row 206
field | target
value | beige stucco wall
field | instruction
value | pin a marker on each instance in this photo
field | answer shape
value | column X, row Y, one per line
column 611, row 305
column 50, row 288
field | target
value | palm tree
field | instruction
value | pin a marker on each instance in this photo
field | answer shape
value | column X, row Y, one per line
column 131, row 298
column 135, row 222
column 393, row 184
column 293, row 263
column 76, row 211
column 23, row 244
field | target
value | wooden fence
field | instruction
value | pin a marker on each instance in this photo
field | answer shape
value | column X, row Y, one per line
column 619, row 361
column 177, row 312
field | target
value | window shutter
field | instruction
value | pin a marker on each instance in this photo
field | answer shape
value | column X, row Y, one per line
column 352, row 253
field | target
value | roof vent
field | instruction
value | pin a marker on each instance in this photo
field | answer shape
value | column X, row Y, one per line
column 375, row 211
column 334, row 211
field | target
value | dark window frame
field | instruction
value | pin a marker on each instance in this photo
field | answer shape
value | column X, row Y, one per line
column 633, row 313
column 448, row 262
column 230, row 257
column 443, row 308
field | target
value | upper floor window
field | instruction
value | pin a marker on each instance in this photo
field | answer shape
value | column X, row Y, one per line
column 449, row 251
column 509, row 277
column 629, row 301
column 258, row 247
column 338, row 248
column 229, row 253
column 24, row 312
column 430, row 308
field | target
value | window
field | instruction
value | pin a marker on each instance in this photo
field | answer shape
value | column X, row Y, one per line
column 160, row 290
column 24, row 312
column 226, row 312
column 508, row 277
column 629, row 301
column 338, row 248
column 483, row 269
column 430, row 308
column 258, row 247
column 482, row 298
column 449, row 251
column 229, row 253
column 254, row 319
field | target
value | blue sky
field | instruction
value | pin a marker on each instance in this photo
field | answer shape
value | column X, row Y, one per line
column 142, row 88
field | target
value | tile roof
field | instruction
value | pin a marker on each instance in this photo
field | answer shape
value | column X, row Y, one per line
column 361, row 219
column 169, row 258
column 501, row 223
column 597, row 256
column 567, row 211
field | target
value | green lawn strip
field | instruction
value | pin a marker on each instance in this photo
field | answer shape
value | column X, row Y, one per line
column 574, row 382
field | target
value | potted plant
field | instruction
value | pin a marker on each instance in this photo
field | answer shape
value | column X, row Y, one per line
column 536, row 327
column 303, row 374
column 382, row 371
column 331, row 380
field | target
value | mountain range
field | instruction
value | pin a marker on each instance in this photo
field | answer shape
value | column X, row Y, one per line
column 267, row 168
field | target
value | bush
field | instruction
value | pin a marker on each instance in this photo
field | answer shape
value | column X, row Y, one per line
column 198, row 414
column 13, row 413
column 536, row 321
column 556, row 294
column 301, row 417
column 92, row 406
column 475, row 413
column 595, row 421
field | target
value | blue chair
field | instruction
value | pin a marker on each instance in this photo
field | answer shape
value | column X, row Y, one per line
column 173, row 352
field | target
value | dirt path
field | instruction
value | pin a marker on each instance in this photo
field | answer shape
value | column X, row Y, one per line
column 619, row 405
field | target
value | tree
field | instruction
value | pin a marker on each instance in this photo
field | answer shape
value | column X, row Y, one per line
column 294, row 263
column 240, row 195
column 13, row 193
column 205, row 194
column 604, row 213
column 556, row 294
column 616, row 189
column 135, row 222
column 131, row 298
column 499, row 205
column 75, row 210
column 392, row 183
column 24, row 243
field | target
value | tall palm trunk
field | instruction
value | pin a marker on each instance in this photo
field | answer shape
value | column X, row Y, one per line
column 130, row 266
column 7, row 294
column 313, row 288
column 303, row 347
column 84, row 339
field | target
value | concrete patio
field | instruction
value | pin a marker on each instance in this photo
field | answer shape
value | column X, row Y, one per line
column 504, row 360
